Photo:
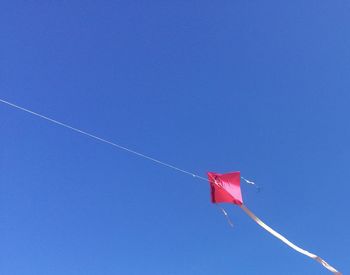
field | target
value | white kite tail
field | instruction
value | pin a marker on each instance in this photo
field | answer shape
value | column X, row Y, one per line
column 225, row 214
column 290, row 244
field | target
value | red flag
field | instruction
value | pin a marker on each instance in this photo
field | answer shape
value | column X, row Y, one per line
column 225, row 187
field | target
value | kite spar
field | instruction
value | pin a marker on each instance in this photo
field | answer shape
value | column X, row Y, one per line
column 224, row 187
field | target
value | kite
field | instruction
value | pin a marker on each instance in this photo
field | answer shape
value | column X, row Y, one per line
column 226, row 188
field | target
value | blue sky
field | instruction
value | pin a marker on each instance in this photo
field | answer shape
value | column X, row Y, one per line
column 260, row 87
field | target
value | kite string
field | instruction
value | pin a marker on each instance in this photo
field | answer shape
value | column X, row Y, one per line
column 111, row 143
column 103, row 140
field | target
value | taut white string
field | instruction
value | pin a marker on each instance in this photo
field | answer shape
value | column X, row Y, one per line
column 103, row 140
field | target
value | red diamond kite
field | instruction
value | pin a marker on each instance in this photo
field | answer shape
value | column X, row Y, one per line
column 227, row 188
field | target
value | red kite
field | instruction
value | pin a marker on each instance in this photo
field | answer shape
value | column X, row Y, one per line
column 224, row 187
column 227, row 188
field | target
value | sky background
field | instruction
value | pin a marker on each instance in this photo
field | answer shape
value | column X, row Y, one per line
column 256, row 86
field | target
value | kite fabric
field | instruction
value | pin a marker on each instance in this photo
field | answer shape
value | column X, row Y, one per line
column 226, row 188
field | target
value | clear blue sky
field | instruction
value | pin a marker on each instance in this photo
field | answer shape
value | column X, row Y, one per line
column 256, row 86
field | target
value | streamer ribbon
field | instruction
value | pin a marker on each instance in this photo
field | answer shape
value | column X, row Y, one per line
column 287, row 242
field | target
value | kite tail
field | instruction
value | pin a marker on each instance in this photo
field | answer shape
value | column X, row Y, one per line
column 225, row 214
column 290, row 244
column 252, row 183
column 248, row 181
